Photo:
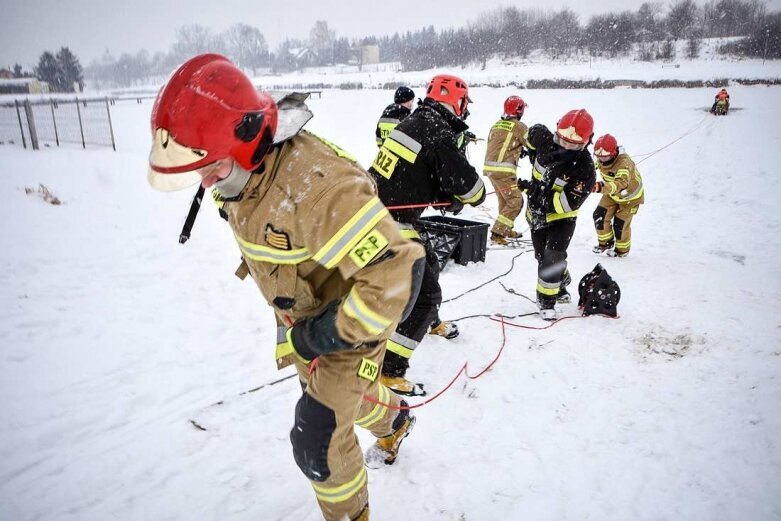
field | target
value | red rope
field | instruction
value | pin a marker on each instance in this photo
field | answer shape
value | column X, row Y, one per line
column 423, row 205
column 463, row 370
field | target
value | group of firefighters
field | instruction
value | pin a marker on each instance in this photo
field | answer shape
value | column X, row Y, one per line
column 337, row 253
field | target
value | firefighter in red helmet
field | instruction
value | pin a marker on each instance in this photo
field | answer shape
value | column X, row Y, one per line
column 505, row 147
column 720, row 105
column 419, row 162
column 562, row 177
column 329, row 260
column 622, row 194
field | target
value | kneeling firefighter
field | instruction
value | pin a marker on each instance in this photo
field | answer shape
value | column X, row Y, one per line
column 320, row 246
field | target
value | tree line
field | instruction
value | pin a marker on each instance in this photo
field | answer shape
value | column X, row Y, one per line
column 649, row 33
column 62, row 71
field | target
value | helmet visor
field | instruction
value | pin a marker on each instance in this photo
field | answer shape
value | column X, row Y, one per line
column 603, row 155
column 567, row 145
column 173, row 166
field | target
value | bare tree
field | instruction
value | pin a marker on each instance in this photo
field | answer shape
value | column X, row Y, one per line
column 246, row 45
column 681, row 18
column 322, row 39
column 191, row 40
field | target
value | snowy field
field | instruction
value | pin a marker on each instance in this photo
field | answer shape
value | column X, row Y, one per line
column 113, row 336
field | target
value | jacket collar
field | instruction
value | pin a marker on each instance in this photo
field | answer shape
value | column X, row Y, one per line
column 458, row 125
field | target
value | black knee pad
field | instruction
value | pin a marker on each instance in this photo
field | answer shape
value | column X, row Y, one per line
column 311, row 437
column 418, row 268
column 618, row 228
column 599, row 217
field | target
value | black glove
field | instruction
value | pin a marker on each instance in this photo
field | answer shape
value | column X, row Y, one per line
column 315, row 336
column 455, row 207
column 524, row 184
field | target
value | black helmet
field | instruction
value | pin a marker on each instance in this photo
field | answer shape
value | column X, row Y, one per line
column 403, row 94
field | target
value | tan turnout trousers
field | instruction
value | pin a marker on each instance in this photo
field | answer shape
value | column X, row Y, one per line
column 339, row 382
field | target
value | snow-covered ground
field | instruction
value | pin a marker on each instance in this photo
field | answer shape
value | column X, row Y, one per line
column 113, row 336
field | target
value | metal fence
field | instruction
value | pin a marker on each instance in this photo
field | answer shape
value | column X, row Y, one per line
column 56, row 121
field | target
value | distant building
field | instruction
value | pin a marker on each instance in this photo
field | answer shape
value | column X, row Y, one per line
column 303, row 57
column 6, row 74
column 370, row 54
column 23, row 86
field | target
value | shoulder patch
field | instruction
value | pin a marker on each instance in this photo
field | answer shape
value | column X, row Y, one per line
column 368, row 248
column 277, row 239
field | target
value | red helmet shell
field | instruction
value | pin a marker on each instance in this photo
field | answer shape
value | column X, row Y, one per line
column 450, row 90
column 207, row 111
column 576, row 127
column 514, row 107
column 606, row 147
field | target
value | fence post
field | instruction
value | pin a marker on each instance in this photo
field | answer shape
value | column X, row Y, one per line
column 54, row 121
column 28, row 111
column 81, row 126
column 110, row 126
column 21, row 127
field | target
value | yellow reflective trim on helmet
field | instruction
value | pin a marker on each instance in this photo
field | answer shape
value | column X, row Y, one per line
column 341, row 492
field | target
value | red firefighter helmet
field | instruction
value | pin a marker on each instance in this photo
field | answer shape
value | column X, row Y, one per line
column 576, row 127
column 514, row 107
column 449, row 90
column 207, row 111
column 606, row 148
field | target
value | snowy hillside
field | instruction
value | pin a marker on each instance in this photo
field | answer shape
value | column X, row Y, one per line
column 710, row 65
column 113, row 337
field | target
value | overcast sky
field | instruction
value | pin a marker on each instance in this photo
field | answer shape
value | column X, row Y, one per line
column 90, row 27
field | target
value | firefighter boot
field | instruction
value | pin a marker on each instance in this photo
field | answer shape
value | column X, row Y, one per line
column 564, row 296
column 386, row 450
column 445, row 329
column 364, row 515
column 400, row 385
